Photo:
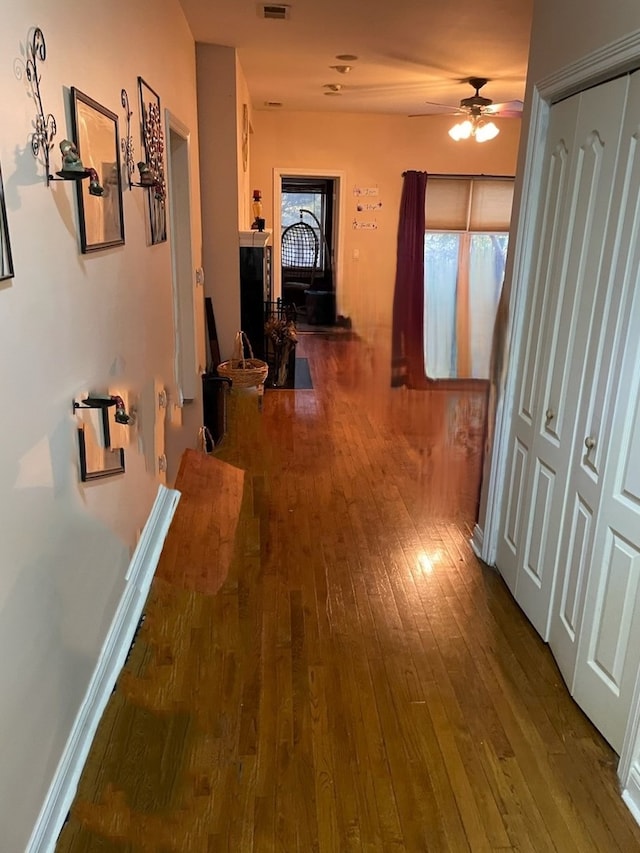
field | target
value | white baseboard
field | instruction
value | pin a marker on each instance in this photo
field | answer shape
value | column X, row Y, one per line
column 631, row 794
column 113, row 655
column 477, row 542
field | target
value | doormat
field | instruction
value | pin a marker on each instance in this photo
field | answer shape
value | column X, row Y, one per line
column 303, row 381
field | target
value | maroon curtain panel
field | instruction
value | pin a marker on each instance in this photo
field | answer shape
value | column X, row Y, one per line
column 407, row 344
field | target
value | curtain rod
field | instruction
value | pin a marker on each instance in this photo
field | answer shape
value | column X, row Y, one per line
column 467, row 177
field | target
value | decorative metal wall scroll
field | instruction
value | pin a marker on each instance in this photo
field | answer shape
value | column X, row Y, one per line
column 45, row 124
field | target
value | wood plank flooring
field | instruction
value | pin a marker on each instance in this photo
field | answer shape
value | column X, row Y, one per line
column 325, row 667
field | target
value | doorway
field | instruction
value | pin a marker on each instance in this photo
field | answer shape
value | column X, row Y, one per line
column 184, row 315
column 182, row 416
column 311, row 200
column 319, row 195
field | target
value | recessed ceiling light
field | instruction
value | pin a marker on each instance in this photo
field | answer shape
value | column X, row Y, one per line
column 346, row 57
column 334, row 87
column 341, row 69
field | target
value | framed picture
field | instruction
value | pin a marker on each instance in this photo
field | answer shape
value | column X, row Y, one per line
column 97, row 458
column 6, row 263
column 153, row 146
column 96, row 137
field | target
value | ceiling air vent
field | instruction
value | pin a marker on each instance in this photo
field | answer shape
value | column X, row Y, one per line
column 274, row 11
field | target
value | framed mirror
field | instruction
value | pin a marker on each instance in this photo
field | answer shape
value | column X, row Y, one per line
column 97, row 458
column 96, row 136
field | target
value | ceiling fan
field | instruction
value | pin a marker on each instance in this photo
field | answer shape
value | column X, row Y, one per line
column 477, row 105
column 476, row 109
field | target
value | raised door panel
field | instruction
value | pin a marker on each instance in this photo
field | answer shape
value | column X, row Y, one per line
column 608, row 664
column 544, row 479
column 542, row 295
column 608, row 657
column 514, row 498
column 570, row 592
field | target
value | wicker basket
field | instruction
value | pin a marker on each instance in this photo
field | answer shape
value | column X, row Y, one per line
column 244, row 372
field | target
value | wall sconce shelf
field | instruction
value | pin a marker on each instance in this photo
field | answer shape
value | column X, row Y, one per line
column 148, row 180
column 46, row 126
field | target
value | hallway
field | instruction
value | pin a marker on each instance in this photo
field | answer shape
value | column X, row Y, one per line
column 346, row 676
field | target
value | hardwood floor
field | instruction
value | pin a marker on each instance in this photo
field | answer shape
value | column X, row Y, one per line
column 338, row 672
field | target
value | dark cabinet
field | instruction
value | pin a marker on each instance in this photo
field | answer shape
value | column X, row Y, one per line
column 255, row 285
column 215, row 390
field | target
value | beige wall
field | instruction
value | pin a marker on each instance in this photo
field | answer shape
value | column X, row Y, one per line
column 218, row 76
column 71, row 322
column 243, row 99
column 564, row 31
column 371, row 150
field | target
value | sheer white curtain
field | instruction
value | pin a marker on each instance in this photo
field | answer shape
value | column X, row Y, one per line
column 451, row 278
column 487, row 258
column 441, row 252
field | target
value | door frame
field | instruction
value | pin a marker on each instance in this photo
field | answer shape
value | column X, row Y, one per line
column 186, row 355
column 603, row 64
column 338, row 176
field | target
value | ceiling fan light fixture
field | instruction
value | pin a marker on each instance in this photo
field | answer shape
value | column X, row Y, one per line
column 482, row 131
column 486, row 131
column 462, row 130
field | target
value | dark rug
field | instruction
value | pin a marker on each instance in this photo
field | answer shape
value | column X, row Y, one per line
column 302, row 380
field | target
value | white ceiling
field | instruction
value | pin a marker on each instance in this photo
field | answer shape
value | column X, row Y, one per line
column 410, row 51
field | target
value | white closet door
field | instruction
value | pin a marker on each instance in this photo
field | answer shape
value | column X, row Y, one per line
column 584, row 134
column 608, row 650
column 592, row 457
column 541, row 305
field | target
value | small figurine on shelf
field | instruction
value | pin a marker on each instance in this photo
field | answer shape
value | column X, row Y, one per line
column 121, row 415
column 258, row 222
column 147, row 178
column 95, row 187
column 71, row 162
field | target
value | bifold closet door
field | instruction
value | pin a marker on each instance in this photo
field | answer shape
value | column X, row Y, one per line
column 581, row 159
column 542, row 304
column 597, row 450
column 596, row 618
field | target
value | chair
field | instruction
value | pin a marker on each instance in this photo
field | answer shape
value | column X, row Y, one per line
column 300, row 251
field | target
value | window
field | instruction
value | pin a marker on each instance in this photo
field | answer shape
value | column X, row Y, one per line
column 465, row 247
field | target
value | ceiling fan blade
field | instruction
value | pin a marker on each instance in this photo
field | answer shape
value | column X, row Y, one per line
column 448, row 108
column 508, row 108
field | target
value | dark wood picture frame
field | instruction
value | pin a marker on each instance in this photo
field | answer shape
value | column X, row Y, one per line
column 95, row 130
column 6, row 261
column 152, row 135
